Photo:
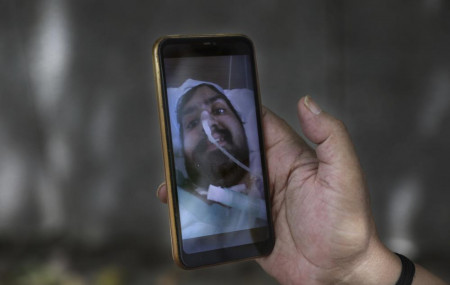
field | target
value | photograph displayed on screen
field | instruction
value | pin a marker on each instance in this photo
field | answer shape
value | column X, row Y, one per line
column 216, row 150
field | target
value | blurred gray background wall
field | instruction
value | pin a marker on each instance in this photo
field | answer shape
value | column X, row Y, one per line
column 80, row 154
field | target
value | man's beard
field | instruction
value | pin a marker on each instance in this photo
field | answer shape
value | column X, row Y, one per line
column 214, row 167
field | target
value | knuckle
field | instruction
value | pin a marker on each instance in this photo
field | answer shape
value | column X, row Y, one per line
column 340, row 125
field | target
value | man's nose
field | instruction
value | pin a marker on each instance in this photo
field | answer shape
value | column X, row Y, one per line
column 210, row 117
column 210, row 120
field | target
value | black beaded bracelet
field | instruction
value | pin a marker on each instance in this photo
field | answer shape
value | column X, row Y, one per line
column 408, row 271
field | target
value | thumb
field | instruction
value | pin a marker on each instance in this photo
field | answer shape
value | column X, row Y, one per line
column 334, row 146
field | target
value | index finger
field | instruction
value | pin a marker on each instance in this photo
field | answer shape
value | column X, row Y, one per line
column 285, row 149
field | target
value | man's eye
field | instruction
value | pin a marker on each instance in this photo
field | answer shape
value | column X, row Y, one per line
column 219, row 111
column 192, row 124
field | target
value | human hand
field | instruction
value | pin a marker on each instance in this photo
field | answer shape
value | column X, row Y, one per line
column 324, row 229
column 325, row 232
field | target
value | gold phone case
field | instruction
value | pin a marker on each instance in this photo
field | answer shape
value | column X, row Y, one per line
column 163, row 128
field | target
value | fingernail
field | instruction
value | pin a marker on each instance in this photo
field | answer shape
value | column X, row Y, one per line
column 312, row 106
column 159, row 188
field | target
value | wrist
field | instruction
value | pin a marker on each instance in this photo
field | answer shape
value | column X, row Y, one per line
column 378, row 265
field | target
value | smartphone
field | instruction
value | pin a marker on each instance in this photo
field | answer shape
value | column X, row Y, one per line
column 213, row 150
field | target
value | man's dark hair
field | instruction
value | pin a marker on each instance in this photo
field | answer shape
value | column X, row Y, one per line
column 188, row 95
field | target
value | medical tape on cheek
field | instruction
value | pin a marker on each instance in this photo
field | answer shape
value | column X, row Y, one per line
column 205, row 117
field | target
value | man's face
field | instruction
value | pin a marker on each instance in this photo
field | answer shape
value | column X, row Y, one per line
column 205, row 163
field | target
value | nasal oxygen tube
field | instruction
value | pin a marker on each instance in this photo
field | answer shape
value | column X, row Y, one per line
column 228, row 197
column 205, row 117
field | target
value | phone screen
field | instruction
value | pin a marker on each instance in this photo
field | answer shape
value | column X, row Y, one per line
column 216, row 150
